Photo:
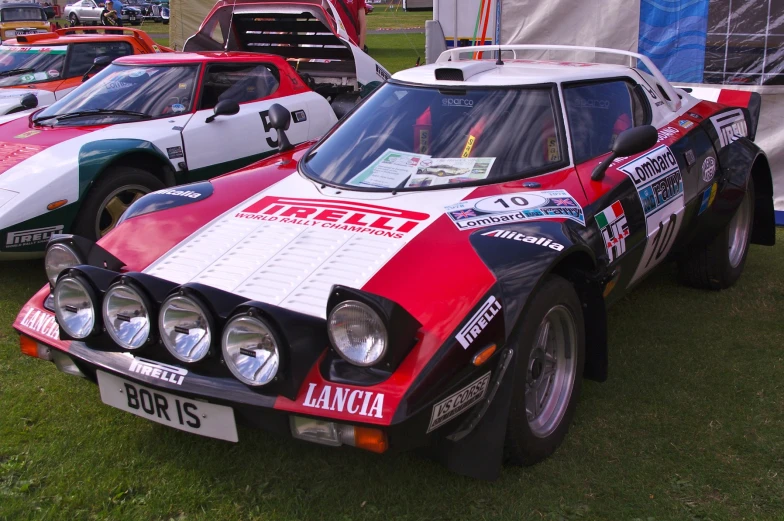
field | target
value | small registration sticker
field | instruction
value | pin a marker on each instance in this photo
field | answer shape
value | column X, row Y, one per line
column 205, row 419
column 452, row 406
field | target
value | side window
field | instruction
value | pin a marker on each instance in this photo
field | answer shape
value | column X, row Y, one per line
column 87, row 3
column 241, row 82
column 598, row 112
column 81, row 55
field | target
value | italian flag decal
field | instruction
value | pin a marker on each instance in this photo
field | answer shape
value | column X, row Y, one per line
column 612, row 224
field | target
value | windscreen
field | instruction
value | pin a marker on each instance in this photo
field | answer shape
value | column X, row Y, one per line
column 22, row 14
column 130, row 92
column 22, row 65
column 407, row 137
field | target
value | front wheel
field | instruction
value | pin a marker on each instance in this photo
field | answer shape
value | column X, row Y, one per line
column 73, row 20
column 550, row 358
column 719, row 264
column 107, row 201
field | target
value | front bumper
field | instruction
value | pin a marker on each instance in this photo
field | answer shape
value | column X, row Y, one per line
column 251, row 407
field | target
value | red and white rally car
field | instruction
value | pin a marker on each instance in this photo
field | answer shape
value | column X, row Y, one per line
column 346, row 293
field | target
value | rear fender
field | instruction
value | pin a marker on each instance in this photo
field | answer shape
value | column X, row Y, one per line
column 751, row 102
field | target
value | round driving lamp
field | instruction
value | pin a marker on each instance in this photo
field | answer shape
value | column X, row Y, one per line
column 185, row 328
column 357, row 333
column 74, row 306
column 126, row 316
column 59, row 257
column 251, row 350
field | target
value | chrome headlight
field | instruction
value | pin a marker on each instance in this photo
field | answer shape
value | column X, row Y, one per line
column 59, row 257
column 74, row 307
column 357, row 333
column 250, row 350
column 126, row 316
column 185, row 328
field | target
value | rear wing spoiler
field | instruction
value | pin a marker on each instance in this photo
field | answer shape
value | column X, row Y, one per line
column 744, row 99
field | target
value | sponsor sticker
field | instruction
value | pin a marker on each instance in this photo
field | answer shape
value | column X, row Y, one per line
column 730, row 126
column 530, row 239
column 381, row 72
column 689, row 157
column 612, row 223
column 41, row 322
column 515, row 207
column 137, row 73
column 174, row 152
column 552, row 149
column 693, row 115
column 478, row 322
column 179, row 193
column 602, row 104
column 159, row 370
column 31, row 237
column 452, row 406
column 53, row 73
column 457, row 102
column 27, row 134
column 708, row 169
column 349, row 216
column 707, row 198
column 341, row 399
column 657, row 177
column 685, row 123
column 178, row 107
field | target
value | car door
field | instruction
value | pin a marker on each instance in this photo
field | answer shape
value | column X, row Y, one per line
column 230, row 142
column 89, row 11
column 631, row 233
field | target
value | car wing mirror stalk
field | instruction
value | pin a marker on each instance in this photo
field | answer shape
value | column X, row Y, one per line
column 629, row 142
column 280, row 119
column 98, row 63
column 224, row 107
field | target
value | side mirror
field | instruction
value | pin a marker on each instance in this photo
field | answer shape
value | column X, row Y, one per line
column 629, row 142
column 98, row 63
column 29, row 101
column 280, row 119
column 225, row 107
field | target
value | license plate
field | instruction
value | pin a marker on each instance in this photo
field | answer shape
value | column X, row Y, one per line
column 205, row 419
column 133, row 18
column 21, row 32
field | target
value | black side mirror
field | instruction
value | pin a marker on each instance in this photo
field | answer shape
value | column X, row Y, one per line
column 629, row 142
column 226, row 107
column 29, row 101
column 280, row 119
column 98, row 63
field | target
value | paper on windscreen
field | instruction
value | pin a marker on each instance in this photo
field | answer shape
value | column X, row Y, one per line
column 388, row 171
column 447, row 170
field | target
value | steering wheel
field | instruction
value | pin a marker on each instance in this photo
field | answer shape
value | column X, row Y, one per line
column 389, row 139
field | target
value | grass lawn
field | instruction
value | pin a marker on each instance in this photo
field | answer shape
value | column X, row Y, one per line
column 396, row 51
column 388, row 17
column 690, row 425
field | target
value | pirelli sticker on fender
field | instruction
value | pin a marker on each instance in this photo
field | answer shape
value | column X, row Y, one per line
column 730, row 126
column 452, row 406
column 479, row 322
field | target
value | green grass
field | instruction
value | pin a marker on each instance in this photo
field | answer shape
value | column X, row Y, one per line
column 385, row 16
column 396, row 51
column 690, row 425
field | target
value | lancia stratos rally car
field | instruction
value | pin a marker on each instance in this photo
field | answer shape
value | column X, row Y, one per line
column 326, row 293
column 142, row 124
column 36, row 70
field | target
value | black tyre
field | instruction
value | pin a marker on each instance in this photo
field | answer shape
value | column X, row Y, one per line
column 111, row 195
column 719, row 264
column 550, row 358
column 73, row 20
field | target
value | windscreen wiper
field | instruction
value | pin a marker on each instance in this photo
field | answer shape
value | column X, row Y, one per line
column 95, row 112
column 14, row 72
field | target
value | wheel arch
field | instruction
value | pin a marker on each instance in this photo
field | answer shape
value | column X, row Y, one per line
column 763, row 229
column 96, row 157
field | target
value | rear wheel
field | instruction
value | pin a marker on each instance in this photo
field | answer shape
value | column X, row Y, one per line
column 719, row 264
column 73, row 19
column 550, row 359
column 107, row 201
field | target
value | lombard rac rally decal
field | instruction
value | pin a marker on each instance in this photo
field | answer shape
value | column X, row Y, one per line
column 659, row 183
column 730, row 126
column 515, row 207
column 477, row 323
column 612, row 223
column 452, row 406
column 340, row 399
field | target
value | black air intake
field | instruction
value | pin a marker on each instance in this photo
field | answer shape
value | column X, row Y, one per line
column 446, row 74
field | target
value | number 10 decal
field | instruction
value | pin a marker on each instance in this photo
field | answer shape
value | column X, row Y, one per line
column 658, row 245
